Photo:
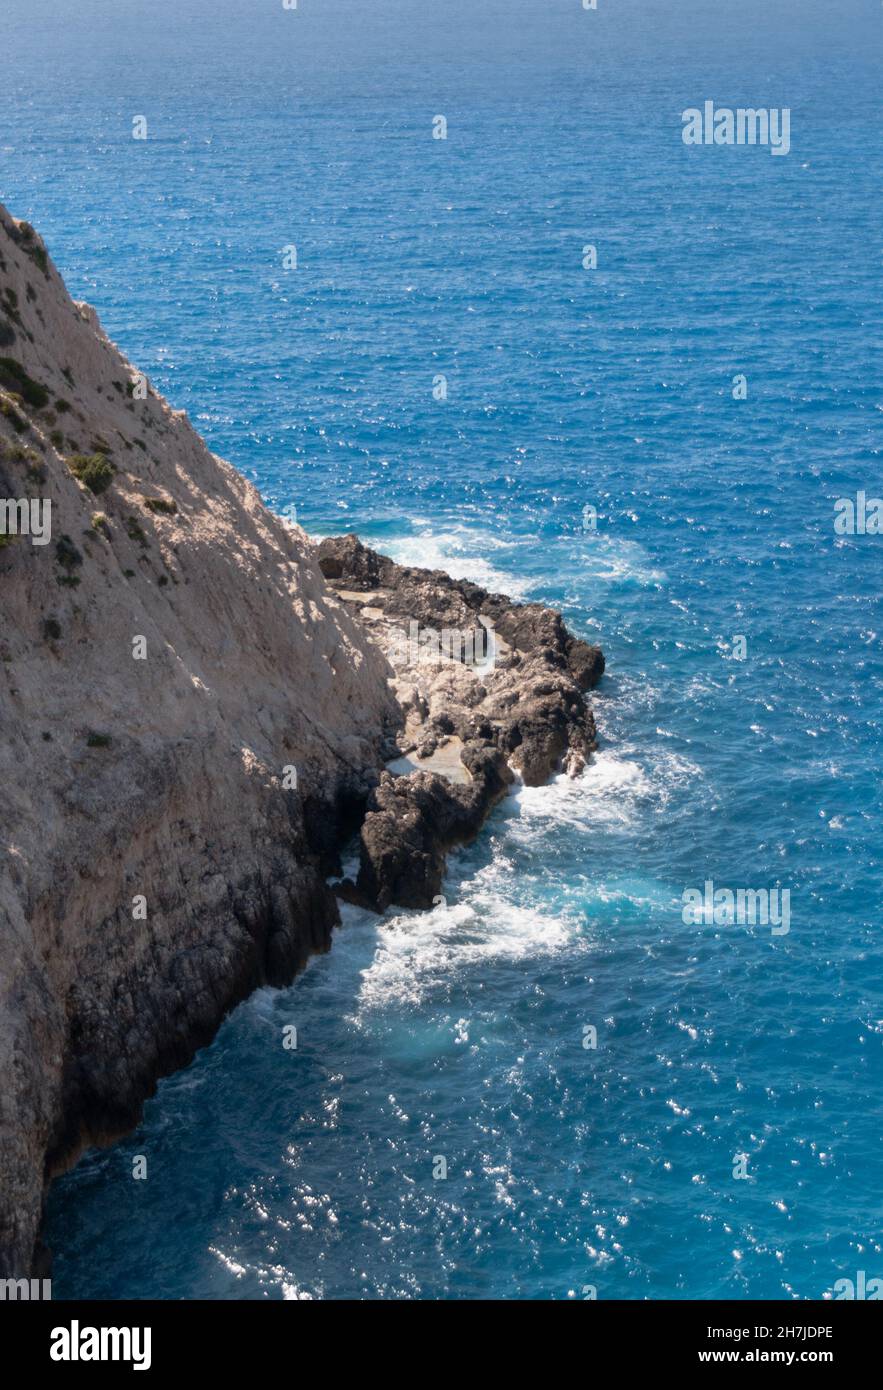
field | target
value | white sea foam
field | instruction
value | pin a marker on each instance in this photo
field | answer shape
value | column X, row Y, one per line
column 460, row 551
column 420, row 953
column 607, row 792
column 616, row 560
column 615, row 789
column 463, row 552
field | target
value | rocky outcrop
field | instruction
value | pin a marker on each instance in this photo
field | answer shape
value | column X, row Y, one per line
column 198, row 710
column 497, row 683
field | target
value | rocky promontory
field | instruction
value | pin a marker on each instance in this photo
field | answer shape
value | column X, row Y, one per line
column 489, row 690
column 200, row 708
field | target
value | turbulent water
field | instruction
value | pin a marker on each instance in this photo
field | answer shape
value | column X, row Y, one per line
column 459, row 1034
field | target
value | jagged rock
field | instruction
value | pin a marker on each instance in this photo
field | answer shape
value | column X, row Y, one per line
column 433, row 599
column 526, row 715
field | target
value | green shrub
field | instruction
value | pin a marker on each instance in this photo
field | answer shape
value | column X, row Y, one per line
column 10, row 308
column 14, row 376
column 135, row 531
column 95, row 471
column 95, row 740
column 161, row 504
column 32, row 247
column 51, row 629
column 66, row 554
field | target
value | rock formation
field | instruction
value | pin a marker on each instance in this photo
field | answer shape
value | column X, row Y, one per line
column 194, row 722
column 517, row 707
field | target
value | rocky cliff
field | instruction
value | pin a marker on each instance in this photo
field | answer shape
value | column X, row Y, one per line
column 197, row 709
column 165, row 657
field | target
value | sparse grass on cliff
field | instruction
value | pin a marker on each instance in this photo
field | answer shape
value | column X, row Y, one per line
column 14, row 376
column 8, row 410
column 10, row 307
column 69, row 558
column 135, row 532
column 166, row 505
column 20, row 453
column 31, row 246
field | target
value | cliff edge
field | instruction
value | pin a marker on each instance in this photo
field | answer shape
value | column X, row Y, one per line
column 199, row 708
column 165, row 656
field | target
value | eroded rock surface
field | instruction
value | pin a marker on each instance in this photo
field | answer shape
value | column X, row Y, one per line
column 520, row 708
column 161, row 778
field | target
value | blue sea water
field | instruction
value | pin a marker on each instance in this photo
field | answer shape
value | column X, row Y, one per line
column 459, row 1033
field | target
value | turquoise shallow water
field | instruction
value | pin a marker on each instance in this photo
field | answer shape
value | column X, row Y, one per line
column 459, row 1033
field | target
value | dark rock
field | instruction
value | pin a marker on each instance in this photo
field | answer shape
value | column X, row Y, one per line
column 527, row 712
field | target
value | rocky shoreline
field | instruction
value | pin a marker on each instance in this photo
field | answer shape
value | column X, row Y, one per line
column 200, row 709
column 521, row 714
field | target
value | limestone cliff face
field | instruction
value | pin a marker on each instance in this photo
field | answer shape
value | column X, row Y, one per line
column 159, row 779
column 197, row 708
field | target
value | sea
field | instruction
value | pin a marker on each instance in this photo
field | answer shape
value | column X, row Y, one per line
column 446, row 274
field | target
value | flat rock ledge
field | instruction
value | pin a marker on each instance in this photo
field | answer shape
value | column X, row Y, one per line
column 489, row 689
